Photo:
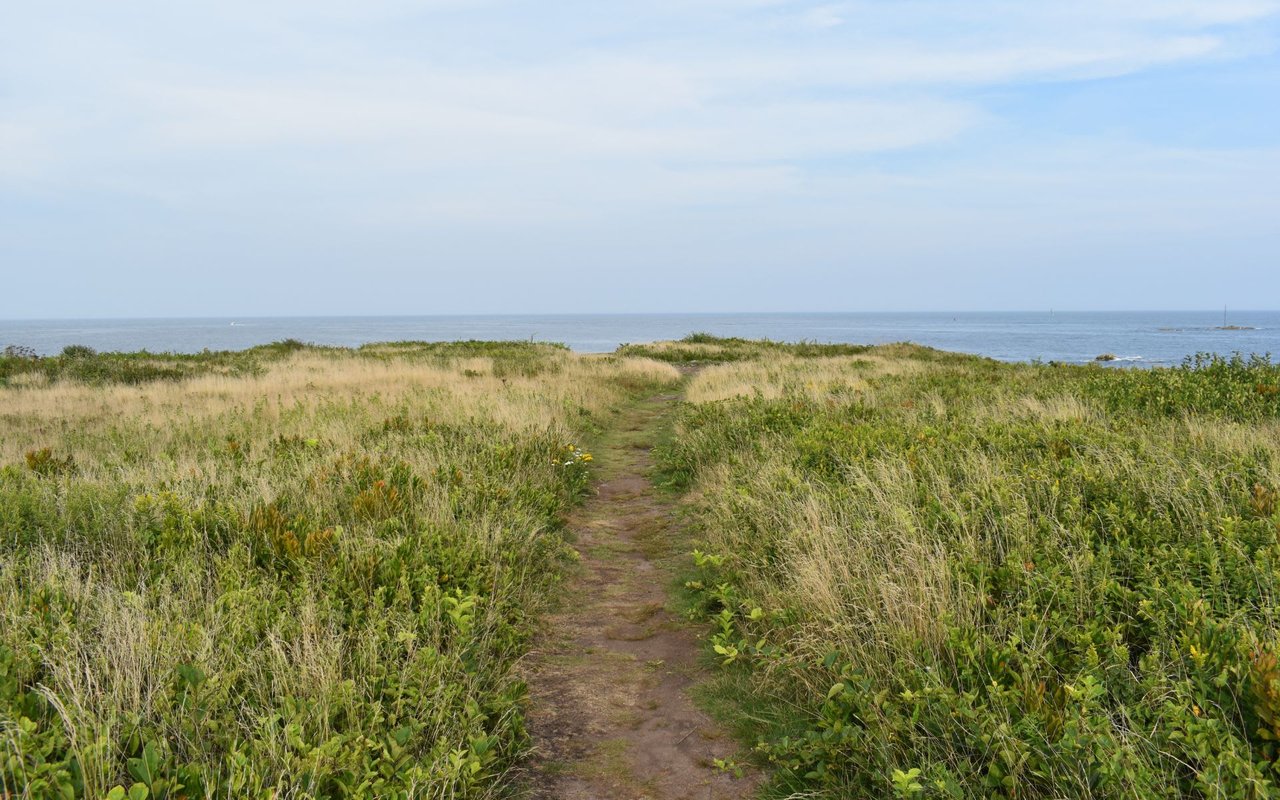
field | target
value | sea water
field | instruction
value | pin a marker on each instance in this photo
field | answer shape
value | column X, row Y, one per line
column 1137, row 337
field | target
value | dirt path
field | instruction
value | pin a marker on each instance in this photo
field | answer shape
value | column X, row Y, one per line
column 610, row 716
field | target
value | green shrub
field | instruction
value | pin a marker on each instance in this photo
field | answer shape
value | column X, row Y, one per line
column 1234, row 387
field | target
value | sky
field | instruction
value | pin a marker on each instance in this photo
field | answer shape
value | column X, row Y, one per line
column 299, row 157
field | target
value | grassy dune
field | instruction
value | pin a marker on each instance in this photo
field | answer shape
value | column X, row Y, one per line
column 289, row 572
column 936, row 576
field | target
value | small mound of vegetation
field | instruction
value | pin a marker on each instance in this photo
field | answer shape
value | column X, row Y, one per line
column 704, row 347
column 78, row 363
column 84, row 365
column 508, row 358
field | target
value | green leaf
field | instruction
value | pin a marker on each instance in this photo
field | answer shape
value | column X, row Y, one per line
column 145, row 769
column 191, row 675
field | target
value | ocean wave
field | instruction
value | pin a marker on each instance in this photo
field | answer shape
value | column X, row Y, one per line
column 1113, row 360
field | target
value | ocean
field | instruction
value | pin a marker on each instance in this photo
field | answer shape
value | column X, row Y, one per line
column 1143, row 338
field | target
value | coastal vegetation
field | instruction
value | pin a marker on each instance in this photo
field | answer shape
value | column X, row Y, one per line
column 288, row 572
column 311, row 572
column 937, row 576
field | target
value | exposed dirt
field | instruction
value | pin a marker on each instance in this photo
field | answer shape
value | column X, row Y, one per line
column 610, row 714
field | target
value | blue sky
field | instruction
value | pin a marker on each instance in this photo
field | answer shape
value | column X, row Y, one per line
column 387, row 156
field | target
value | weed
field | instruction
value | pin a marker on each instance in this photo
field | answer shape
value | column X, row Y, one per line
column 44, row 462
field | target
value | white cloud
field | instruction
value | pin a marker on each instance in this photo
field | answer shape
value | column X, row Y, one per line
column 693, row 79
column 823, row 17
column 1184, row 12
column 24, row 151
column 879, row 68
column 492, row 116
column 446, row 120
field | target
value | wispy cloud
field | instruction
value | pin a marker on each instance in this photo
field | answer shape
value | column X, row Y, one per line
column 495, row 115
column 673, row 80
column 823, row 17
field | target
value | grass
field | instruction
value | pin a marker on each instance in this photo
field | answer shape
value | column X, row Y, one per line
column 287, row 572
column 82, row 364
column 298, row 571
column 701, row 348
column 940, row 576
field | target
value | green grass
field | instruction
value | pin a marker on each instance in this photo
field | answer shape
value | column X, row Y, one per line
column 291, row 572
column 704, row 348
column 82, row 364
column 299, row 571
column 961, row 578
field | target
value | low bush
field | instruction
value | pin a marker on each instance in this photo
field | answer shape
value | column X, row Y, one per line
column 1231, row 387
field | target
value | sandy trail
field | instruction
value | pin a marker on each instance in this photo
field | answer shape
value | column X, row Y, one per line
column 610, row 714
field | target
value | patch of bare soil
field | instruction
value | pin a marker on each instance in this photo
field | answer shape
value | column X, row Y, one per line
column 610, row 714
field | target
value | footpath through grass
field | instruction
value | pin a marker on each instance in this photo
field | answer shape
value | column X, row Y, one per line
column 309, row 572
column 292, row 572
column 611, row 716
column 935, row 576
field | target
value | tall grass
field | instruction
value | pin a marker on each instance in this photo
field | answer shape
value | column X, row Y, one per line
column 948, row 577
column 302, row 575
column 703, row 347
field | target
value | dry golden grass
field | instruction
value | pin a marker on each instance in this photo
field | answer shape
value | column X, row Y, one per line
column 294, row 393
column 775, row 375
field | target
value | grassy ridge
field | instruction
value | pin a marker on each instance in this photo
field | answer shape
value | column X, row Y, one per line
column 290, row 572
column 941, row 576
column 703, row 347
column 20, row 367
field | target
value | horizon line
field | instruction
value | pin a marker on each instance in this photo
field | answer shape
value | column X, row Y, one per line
column 498, row 314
